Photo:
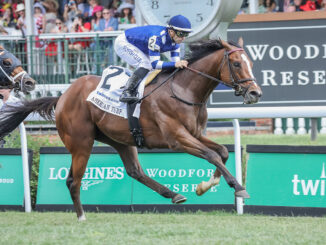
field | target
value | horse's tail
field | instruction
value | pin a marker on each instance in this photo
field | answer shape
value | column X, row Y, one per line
column 12, row 115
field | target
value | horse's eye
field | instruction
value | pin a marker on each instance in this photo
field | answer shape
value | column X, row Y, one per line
column 6, row 63
column 237, row 64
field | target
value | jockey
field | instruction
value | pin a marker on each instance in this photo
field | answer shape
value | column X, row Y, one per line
column 141, row 48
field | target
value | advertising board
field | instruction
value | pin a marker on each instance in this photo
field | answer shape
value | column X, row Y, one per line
column 286, row 179
column 11, row 179
column 106, row 182
column 288, row 58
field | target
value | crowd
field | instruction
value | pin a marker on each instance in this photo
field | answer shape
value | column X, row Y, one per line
column 68, row 16
column 269, row 6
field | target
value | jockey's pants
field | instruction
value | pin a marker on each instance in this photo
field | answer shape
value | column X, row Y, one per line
column 131, row 54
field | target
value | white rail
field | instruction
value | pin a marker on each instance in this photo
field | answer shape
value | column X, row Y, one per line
column 27, row 192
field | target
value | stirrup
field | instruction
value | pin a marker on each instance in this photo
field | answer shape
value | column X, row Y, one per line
column 128, row 97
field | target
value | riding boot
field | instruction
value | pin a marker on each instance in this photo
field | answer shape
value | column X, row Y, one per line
column 129, row 94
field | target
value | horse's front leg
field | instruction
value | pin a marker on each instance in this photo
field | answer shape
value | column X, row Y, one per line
column 129, row 157
column 214, row 180
column 182, row 140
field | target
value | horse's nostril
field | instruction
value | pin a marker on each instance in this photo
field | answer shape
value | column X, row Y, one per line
column 29, row 83
column 255, row 93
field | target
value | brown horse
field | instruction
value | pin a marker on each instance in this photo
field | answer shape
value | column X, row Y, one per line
column 12, row 75
column 173, row 116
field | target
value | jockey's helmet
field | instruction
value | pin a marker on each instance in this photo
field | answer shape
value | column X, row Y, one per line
column 180, row 23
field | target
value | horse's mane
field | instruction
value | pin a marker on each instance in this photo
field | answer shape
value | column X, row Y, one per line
column 198, row 50
column 203, row 48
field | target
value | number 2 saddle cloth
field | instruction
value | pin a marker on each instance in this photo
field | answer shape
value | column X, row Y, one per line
column 107, row 93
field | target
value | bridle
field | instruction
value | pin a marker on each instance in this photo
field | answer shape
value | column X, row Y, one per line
column 234, row 80
column 6, row 71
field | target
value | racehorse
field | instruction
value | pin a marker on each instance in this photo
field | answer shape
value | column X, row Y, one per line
column 12, row 75
column 173, row 116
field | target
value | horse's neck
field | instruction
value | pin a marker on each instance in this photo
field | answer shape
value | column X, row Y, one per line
column 199, row 86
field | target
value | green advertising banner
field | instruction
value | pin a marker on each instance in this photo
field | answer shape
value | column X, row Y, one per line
column 292, row 176
column 106, row 182
column 11, row 178
column 181, row 173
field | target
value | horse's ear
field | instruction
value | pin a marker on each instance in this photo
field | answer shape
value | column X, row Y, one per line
column 226, row 44
column 240, row 42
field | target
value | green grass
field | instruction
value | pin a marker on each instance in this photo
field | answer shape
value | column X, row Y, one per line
column 151, row 228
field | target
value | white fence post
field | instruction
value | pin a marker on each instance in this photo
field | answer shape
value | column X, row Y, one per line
column 238, row 164
column 27, row 193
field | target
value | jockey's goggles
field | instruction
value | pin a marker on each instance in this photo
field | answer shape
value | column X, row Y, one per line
column 181, row 33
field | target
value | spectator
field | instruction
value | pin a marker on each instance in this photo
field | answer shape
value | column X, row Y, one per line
column 8, row 19
column 83, row 7
column 21, row 22
column 97, row 17
column 285, row 5
column 109, row 23
column 51, row 7
column 125, row 14
column 297, row 4
column 79, row 26
column 309, row 6
column 70, row 13
column 60, row 27
column 92, row 4
column 52, row 48
column 270, row 6
column 323, row 5
column 39, row 19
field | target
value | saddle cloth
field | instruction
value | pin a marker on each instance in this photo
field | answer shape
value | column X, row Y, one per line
column 107, row 93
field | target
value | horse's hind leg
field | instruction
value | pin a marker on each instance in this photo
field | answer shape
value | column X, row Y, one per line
column 78, row 166
column 129, row 157
column 214, row 180
column 80, row 147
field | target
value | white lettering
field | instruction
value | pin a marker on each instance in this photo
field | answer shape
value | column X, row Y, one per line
column 268, row 77
column 172, row 173
column 319, row 77
column 182, row 173
column 312, row 51
column 276, row 50
column 310, row 187
column 287, row 78
column 322, row 187
column 295, row 185
column 296, row 50
column 324, row 45
column 191, row 172
column 200, row 172
column 162, row 173
column 257, row 51
column 63, row 173
column 52, row 174
column 152, row 172
column 303, row 78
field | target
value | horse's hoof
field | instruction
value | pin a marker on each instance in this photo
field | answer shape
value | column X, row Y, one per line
column 179, row 199
column 243, row 194
column 82, row 218
column 199, row 189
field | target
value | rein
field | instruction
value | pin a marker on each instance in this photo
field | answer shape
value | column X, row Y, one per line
column 235, row 82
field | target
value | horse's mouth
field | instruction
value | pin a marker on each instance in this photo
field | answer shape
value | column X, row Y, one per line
column 252, row 97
